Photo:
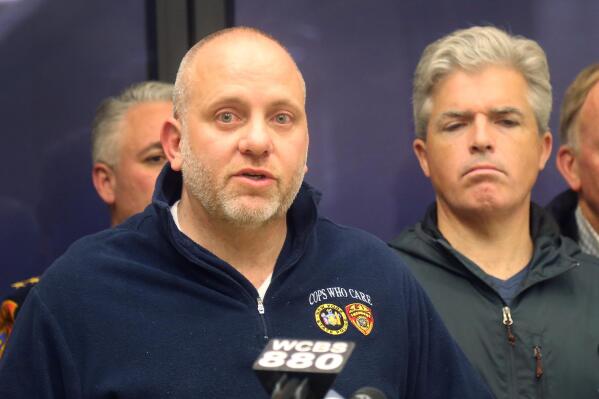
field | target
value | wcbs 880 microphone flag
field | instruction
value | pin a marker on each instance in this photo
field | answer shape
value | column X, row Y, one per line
column 301, row 368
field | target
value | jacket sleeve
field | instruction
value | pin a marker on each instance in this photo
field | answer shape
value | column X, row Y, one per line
column 37, row 362
column 438, row 367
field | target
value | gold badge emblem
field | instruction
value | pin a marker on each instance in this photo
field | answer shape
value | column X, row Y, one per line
column 331, row 319
column 360, row 316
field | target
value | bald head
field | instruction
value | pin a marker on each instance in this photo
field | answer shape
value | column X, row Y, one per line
column 229, row 48
column 240, row 133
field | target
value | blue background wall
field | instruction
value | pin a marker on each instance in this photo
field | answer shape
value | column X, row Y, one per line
column 58, row 59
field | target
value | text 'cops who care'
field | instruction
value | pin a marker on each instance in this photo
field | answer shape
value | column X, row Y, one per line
column 338, row 292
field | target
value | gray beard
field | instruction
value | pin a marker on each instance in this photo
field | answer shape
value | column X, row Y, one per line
column 200, row 180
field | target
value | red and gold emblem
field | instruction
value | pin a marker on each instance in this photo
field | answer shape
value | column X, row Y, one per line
column 360, row 316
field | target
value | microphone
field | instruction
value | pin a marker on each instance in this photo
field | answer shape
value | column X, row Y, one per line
column 368, row 393
column 301, row 369
column 362, row 393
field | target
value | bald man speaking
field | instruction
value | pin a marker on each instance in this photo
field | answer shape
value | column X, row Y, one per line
column 180, row 300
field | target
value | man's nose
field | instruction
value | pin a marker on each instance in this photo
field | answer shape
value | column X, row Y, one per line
column 482, row 136
column 257, row 139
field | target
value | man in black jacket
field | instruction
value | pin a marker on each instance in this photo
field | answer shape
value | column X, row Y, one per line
column 577, row 209
column 518, row 298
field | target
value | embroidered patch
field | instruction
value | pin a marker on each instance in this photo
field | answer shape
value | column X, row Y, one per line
column 331, row 319
column 361, row 317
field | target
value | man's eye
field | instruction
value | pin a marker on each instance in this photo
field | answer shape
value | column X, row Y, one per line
column 508, row 122
column 155, row 159
column 451, row 127
column 226, row 117
column 282, row 119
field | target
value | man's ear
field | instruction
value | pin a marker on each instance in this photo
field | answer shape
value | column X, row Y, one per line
column 419, row 148
column 104, row 181
column 170, row 137
column 546, row 146
column 567, row 164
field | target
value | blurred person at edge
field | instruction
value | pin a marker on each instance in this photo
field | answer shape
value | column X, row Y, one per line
column 179, row 301
column 576, row 210
column 126, row 151
column 520, row 299
column 127, row 157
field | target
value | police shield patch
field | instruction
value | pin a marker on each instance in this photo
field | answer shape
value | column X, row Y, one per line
column 360, row 316
column 331, row 319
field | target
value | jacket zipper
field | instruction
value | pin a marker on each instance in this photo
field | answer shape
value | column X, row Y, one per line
column 262, row 317
column 511, row 338
column 538, row 361
column 507, row 322
column 536, row 350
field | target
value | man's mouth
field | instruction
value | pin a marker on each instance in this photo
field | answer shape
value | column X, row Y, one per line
column 482, row 168
column 253, row 176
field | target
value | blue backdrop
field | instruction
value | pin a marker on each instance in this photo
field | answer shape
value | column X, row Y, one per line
column 58, row 59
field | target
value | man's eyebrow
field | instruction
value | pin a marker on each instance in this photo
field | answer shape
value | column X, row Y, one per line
column 285, row 103
column 455, row 114
column 226, row 101
column 452, row 114
column 240, row 103
column 157, row 145
column 506, row 110
column 494, row 112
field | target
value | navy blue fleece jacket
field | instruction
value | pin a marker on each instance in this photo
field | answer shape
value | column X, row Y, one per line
column 141, row 311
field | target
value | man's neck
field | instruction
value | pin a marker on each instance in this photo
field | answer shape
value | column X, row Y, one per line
column 252, row 250
column 500, row 244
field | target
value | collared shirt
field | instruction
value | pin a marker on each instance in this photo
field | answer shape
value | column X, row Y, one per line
column 589, row 239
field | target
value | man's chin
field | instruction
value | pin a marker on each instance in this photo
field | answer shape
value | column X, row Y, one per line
column 251, row 213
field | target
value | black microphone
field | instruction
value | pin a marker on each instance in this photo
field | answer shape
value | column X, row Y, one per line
column 301, row 368
column 368, row 393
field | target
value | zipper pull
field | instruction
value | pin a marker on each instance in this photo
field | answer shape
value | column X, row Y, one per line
column 538, row 362
column 507, row 322
column 260, row 305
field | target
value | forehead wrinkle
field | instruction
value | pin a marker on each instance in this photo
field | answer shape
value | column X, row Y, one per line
column 240, row 99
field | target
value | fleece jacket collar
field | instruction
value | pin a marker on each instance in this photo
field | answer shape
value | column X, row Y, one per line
column 301, row 219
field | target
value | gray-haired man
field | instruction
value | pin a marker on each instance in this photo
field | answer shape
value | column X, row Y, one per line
column 126, row 149
column 518, row 298
column 577, row 209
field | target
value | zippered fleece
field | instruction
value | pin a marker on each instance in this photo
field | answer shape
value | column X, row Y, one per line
column 141, row 311
column 546, row 344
